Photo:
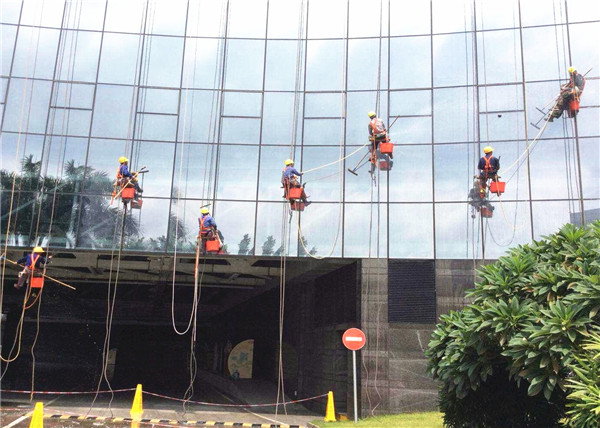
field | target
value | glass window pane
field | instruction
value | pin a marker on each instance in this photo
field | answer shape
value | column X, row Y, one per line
column 30, row 152
column 156, row 127
column 587, row 122
column 206, row 18
column 10, row 10
column 412, row 130
column 66, row 157
column 48, row 13
column 327, row 19
column 494, row 68
column 194, row 169
column 198, row 114
column 318, row 132
column 165, row 61
column 36, row 52
column 240, row 131
column 240, row 25
column 321, row 229
column 271, row 167
column 7, row 34
column 237, row 172
column 590, row 151
column 119, row 49
column 235, row 220
column 81, row 56
column 324, row 105
column 282, row 63
column 278, row 118
column 70, row 122
column 368, row 18
column 415, row 73
column 73, row 95
column 357, row 122
column 285, row 17
column 418, row 21
column 126, row 16
column 324, row 184
column 411, row 174
column 408, row 103
column 548, row 216
column 158, row 159
column 452, row 61
column 269, row 240
column 451, row 15
column 86, row 15
column 325, row 65
column 453, row 121
column 183, row 224
column 500, row 98
column 242, row 104
column 542, row 58
column 202, row 62
column 584, row 48
column 169, row 17
column 245, row 59
column 159, row 100
column 411, row 231
column 151, row 222
column 103, row 160
column 507, row 126
column 539, row 12
column 363, row 64
column 457, row 234
column 583, row 10
column 497, row 15
column 30, row 97
column 549, row 166
column 454, row 169
column 357, row 239
column 112, row 111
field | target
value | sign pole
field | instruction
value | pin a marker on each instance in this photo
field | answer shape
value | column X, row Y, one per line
column 354, row 376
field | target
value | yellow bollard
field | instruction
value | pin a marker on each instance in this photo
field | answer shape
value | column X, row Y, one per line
column 136, row 407
column 37, row 419
column 330, row 412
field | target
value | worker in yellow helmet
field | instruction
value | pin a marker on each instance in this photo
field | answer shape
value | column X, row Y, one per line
column 208, row 227
column 31, row 261
column 289, row 179
column 377, row 134
column 570, row 91
column 125, row 177
column 488, row 169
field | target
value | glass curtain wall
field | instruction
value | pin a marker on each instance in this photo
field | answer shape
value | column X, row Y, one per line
column 212, row 97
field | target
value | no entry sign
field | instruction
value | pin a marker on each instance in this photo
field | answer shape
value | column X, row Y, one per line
column 354, row 339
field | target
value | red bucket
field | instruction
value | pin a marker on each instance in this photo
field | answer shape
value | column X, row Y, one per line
column 37, row 282
column 486, row 212
column 497, row 187
column 295, row 193
column 386, row 148
column 128, row 193
column 212, row 246
column 297, row 206
column 385, row 165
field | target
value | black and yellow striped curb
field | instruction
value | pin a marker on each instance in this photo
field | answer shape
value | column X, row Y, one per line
column 170, row 421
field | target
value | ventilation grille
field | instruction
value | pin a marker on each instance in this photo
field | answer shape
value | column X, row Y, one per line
column 411, row 291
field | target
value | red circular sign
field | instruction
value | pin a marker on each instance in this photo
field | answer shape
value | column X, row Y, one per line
column 354, row 339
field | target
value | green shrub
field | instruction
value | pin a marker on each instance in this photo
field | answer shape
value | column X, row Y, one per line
column 504, row 359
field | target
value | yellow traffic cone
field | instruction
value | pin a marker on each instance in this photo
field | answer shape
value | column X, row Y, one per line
column 330, row 412
column 136, row 407
column 37, row 419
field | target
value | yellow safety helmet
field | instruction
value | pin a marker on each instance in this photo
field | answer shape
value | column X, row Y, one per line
column 204, row 210
column 289, row 162
column 372, row 114
column 38, row 250
column 488, row 149
column 123, row 159
column 572, row 70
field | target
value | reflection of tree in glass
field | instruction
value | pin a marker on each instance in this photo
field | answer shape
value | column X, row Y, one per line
column 64, row 199
column 160, row 243
column 268, row 246
column 312, row 251
column 244, row 245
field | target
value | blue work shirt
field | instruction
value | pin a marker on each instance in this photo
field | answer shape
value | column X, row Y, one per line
column 27, row 261
column 289, row 171
column 208, row 222
column 124, row 171
column 494, row 164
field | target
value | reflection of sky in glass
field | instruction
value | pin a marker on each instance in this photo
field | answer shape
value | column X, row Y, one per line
column 452, row 123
